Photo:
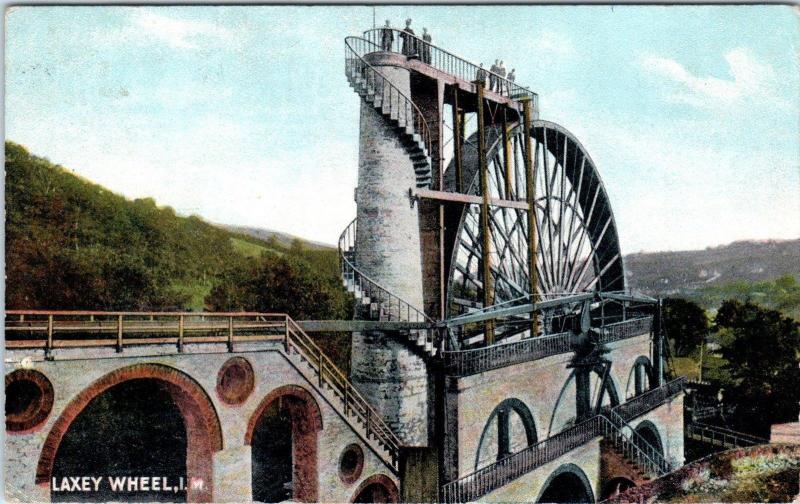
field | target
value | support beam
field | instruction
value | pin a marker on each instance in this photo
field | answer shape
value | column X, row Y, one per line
column 467, row 198
column 486, row 257
column 530, row 190
column 458, row 140
column 509, row 173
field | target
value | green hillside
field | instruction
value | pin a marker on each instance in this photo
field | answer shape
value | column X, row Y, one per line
column 72, row 244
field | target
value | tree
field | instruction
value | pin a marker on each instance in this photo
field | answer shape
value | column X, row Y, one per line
column 686, row 324
column 762, row 350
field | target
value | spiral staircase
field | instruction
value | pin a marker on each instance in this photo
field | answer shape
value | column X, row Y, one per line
column 397, row 108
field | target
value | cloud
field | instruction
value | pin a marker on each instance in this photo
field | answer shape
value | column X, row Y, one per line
column 749, row 79
column 553, row 43
column 178, row 33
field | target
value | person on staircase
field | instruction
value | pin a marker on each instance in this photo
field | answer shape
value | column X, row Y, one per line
column 426, row 46
column 409, row 41
column 511, row 78
column 387, row 37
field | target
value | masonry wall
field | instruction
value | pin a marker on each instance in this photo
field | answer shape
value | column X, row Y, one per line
column 545, row 387
column 394, row 379
column 75, row 370
column 529, row 487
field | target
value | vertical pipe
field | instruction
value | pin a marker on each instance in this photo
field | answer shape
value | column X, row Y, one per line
column 485, row 238
column 530, row 191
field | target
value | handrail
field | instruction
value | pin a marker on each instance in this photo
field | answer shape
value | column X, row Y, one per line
column 370, row 287
column 54, row 329
column 646, row 455
column 353, row 401
column 482, row 481
column 641, row 404
column 446, row 61
column 396, row 100
column 729, row 438
column 478, row 483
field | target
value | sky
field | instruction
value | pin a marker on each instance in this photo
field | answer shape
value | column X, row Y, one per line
column 243, row 115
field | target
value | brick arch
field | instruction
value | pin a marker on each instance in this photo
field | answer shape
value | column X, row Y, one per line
column 392, row 493
column 633, row 380
column 203, row 431
column 306, row 424
column 518, row 407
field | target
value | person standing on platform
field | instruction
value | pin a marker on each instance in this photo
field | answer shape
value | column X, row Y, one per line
column 511, row 78
column 409, row 40
column 501, row 72
column 480, row 76
column 387, row 37
column 492, row 76
column 426, row 46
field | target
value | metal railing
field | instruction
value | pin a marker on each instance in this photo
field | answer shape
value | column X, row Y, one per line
column 50, row 330
column 391, row 307
column 445, row 61
column 720, row 436
column 641, row 404
column 474, row 485
column 626, row 329
column 635, row 447
column 608, row 425
column 467, row 362
column 374, row 83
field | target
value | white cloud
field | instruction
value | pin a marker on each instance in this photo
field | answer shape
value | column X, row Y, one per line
column 750, row 79
column 554, row 44
column 178, row 33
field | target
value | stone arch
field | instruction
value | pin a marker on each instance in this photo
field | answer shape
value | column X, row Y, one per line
column 501, row 413
column 306, row 422
column 571, row 478
column 648, row 430
column 640, row 377
column 380, row 482
column 204, row 434
column 611, row 390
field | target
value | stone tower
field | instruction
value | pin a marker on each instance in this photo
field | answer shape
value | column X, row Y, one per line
column 386, row 370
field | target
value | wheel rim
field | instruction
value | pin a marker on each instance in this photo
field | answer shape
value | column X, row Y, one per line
column 577, row 242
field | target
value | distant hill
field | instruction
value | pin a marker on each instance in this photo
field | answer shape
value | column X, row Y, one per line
column 73, row 244
column 267, row 235
column 675, row 273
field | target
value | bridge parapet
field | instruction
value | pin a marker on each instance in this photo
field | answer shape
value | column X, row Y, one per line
column 77, row 331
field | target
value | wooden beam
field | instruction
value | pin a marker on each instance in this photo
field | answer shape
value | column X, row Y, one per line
column 468, row 198
column 530, row 190
column 507, row 155
column 486, row 257
column 458, row 133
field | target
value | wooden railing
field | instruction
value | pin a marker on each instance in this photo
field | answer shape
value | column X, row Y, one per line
column 52, row 330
